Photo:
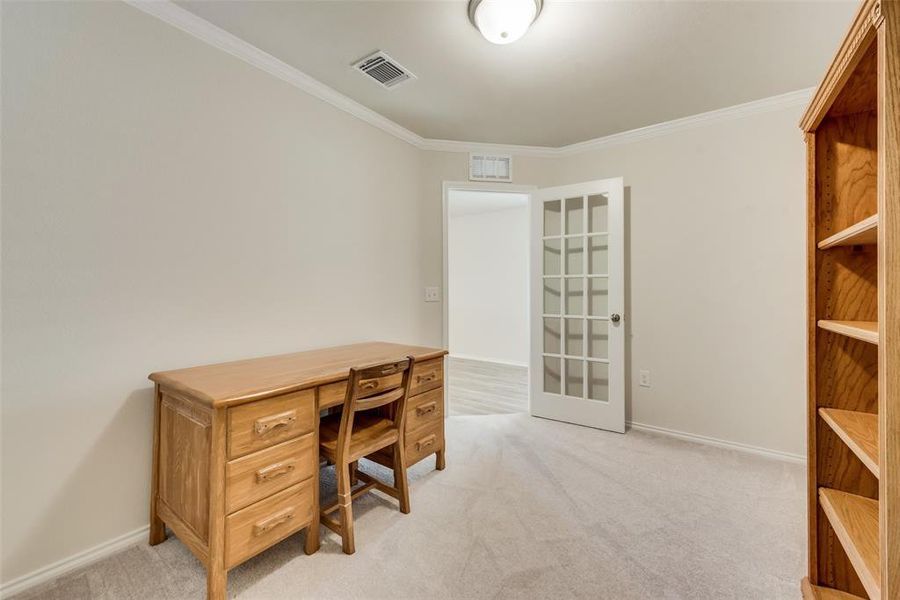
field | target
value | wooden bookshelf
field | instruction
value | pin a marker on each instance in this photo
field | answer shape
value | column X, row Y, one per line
column 866, row 331
column 858, row 430
column 852, row 132
column 814, row 592
column 863, row 233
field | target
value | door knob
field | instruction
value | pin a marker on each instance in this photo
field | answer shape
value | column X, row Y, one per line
column 615, row 318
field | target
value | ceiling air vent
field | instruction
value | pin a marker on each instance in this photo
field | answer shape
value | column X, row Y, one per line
column 383, row 69
column 490, row 167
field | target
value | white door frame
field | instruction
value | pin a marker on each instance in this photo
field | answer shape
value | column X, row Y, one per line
column 472, row 186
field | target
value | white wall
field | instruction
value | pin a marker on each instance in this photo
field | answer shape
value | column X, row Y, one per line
column 716, row 260
column 715, row 269
column 165, row 204
column 488, row 284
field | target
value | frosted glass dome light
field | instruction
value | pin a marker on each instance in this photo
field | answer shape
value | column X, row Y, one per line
column 503, row 21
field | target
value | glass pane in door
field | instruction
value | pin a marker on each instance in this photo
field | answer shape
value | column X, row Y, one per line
column 598, row 338
column 598, row 255
column 598, row 297
column 552, row 336
column 575, row 286
column 598, row 381
column 574, row 337
column 574, row 215
column 574, row 256
column 552, row 375
column 575, row 378
column 552, row 222
column 552, row 295
column 598, row 208
column 574, row 296
column 552, row 257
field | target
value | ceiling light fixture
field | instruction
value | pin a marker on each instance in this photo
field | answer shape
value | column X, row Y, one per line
column 503, row 21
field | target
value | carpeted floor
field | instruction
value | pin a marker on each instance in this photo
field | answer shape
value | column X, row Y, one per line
column 527, row 508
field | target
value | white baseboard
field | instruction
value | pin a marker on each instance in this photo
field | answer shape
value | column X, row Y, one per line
column 711, row 441
column 76, row 561
column 489, row 360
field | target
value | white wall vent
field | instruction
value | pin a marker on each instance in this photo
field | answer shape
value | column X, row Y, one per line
column 490, row 167
column 383, row 69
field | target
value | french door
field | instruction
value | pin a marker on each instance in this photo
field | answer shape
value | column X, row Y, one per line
column 577, row 366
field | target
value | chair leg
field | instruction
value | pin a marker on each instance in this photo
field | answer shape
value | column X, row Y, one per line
column 346, row 503
column 400, row 481
column 353, row 467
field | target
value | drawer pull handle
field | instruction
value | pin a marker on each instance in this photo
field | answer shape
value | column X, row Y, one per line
column 426, row 378
column 267, row 425
column 267, row 525
column 426, row 409
column 273, row 472
column 426, row 442
column 371, row 384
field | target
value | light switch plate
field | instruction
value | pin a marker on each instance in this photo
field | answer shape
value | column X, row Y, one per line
column 644, row 378
column 432, row 294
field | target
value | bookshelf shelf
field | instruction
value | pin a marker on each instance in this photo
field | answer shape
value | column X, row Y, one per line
column 863, row 233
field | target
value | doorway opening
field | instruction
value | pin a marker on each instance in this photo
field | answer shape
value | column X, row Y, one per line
column 486, row 308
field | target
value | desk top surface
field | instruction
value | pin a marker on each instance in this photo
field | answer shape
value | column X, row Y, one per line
column 244, row 380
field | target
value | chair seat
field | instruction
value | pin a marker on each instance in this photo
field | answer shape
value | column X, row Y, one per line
column 370, row 433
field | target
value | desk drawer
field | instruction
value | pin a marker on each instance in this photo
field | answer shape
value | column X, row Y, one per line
column 332, row 394
column 424, row 408
column 261, row 474
column 427, row 375
column 264, row 423
column 253, row 529
column 424, row 441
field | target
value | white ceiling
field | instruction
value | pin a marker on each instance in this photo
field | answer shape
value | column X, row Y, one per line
column 469, row 202
column 586, row 69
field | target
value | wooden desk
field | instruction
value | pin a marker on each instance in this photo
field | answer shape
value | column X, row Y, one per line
column 236, row 447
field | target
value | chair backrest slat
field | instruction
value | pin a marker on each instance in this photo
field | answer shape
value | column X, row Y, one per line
column 379, row 400
column 376, row 386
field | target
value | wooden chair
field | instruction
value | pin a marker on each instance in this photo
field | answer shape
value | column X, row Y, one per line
column 372, row 418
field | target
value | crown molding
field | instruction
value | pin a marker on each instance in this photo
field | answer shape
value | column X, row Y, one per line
column 730, row 113
column 435, row 145
column 171, row 13
column 174, row 15
column 739, row 111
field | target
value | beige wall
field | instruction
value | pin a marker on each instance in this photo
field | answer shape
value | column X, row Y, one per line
column 715, row 262
column 165, row 204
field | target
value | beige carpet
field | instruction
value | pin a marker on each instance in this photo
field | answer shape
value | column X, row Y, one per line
column 527, row 508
